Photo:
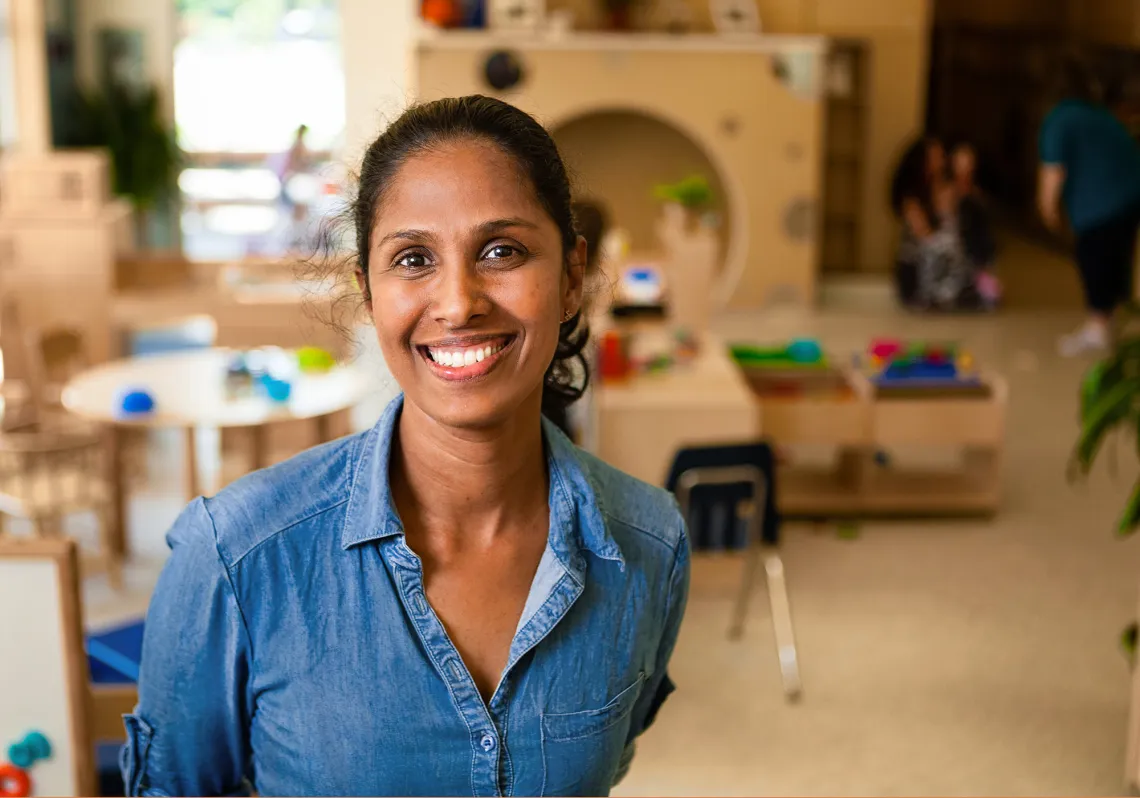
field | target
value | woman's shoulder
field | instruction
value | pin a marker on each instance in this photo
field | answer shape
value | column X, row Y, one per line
column 264, row 503
column 634, row 507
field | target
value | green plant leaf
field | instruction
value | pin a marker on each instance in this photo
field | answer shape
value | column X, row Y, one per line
column 1128, row 640
column 145, row 159
column 1110, row 409
column 1130, row 518
column 693, row 192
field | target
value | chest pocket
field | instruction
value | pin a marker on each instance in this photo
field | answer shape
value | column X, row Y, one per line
column 582, row 750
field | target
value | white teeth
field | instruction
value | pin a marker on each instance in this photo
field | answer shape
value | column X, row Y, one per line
column 459, row 358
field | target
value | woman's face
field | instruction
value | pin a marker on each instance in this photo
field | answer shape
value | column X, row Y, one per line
column 935, row 160
column 468, row 284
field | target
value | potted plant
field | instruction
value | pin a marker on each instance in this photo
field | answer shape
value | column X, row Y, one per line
column 1110, row 405
column 145, row 159
column 687, row 199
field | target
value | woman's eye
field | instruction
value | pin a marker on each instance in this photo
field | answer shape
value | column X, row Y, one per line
column 412, row 261
column 501, row 252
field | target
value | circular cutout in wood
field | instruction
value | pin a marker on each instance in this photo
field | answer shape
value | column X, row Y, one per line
column 503, row 71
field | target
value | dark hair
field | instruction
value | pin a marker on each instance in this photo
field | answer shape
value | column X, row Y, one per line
column 911, row 179
column 427, row 126
column 592, row 222
column 1075, row 80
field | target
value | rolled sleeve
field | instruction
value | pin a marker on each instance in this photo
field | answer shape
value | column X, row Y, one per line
column 660, row 686
column 189, row 733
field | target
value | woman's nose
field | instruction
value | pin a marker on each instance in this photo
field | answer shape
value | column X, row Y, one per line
column 459, row 295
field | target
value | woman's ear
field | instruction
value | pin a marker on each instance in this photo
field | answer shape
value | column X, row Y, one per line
column 575, row 274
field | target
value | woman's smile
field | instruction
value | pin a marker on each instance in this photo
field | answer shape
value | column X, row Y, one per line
column 465, row 358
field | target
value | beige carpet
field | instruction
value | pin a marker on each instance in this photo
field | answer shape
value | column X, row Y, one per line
column 939, row 658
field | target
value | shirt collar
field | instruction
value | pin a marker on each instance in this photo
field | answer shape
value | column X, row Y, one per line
column 577, row 518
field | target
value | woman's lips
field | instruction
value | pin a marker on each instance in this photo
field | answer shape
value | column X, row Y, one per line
column 465, row 361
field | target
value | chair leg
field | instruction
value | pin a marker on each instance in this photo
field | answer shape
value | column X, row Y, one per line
column 744, row 597
column 112, row 559
column 782, row 625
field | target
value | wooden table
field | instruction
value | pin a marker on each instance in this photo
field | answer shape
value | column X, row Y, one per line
column 641, row 423
column 189, row 392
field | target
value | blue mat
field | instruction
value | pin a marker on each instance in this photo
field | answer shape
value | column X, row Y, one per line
column 114, row 655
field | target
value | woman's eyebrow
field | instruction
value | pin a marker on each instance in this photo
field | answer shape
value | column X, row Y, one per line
column 494, row 226
column 405, row 235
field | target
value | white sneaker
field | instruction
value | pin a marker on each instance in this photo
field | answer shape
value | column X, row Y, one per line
column 1089, row 338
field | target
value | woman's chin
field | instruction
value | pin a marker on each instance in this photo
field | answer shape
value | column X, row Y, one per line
column 476, row 410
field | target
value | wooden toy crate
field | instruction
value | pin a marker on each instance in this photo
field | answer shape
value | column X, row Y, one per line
column 864, row 425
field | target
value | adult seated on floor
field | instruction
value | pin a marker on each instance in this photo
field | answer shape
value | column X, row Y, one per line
column 946, row 254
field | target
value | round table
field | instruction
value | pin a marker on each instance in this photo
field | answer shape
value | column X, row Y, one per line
column 189, row 390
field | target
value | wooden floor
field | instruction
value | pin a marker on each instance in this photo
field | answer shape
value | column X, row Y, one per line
column 1036, row 277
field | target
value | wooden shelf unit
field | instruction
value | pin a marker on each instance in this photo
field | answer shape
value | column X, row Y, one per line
column 862, row 425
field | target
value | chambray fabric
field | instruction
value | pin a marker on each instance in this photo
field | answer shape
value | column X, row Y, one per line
column 290, row 648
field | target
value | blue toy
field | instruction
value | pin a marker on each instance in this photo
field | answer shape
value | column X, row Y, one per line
column 33, row 748
column 277, row 390
column 135, row 401
column 805, row 350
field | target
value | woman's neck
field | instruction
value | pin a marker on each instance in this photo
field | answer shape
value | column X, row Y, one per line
column 471, row 486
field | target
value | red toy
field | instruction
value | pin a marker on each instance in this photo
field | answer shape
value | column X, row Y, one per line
column 613, row 362
column 14, row 782
column 885, row 348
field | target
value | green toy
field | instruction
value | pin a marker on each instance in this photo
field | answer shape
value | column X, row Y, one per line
column 802, row 353
column 314, row 360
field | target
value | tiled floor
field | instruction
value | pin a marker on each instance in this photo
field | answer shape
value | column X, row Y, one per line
column 939, row 658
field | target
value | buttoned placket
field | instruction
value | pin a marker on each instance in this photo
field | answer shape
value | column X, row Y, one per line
column 490, row 776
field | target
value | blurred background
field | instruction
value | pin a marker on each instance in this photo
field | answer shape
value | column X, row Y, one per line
column 821, row 250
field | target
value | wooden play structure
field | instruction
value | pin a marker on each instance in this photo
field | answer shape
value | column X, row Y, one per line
column 763, row 146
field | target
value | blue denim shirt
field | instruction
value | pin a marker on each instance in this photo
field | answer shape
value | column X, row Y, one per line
column 290, row 649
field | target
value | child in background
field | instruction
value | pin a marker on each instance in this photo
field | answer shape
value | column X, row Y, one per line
column 974, row 227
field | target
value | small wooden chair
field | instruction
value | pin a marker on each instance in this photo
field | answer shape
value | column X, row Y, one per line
column 51, row 465
column 50, row 472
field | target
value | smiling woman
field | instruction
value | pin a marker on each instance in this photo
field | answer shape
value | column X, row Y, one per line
column 457, row 601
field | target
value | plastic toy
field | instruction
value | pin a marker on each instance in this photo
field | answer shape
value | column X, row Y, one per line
column 884, row 348
column 805, row 350
column 613, row 362
column 918, row 364
column 797, row 354
column 14, row 782
column 314, row 360
column 136, row 402
column 277, row 390
column 30, row 750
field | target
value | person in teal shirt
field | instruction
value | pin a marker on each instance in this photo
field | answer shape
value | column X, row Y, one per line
column 1090, row 164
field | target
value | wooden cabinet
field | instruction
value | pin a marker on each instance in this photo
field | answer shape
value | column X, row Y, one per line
column 59, row 237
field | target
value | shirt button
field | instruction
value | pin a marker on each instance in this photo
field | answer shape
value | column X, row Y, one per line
column 488, row 743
